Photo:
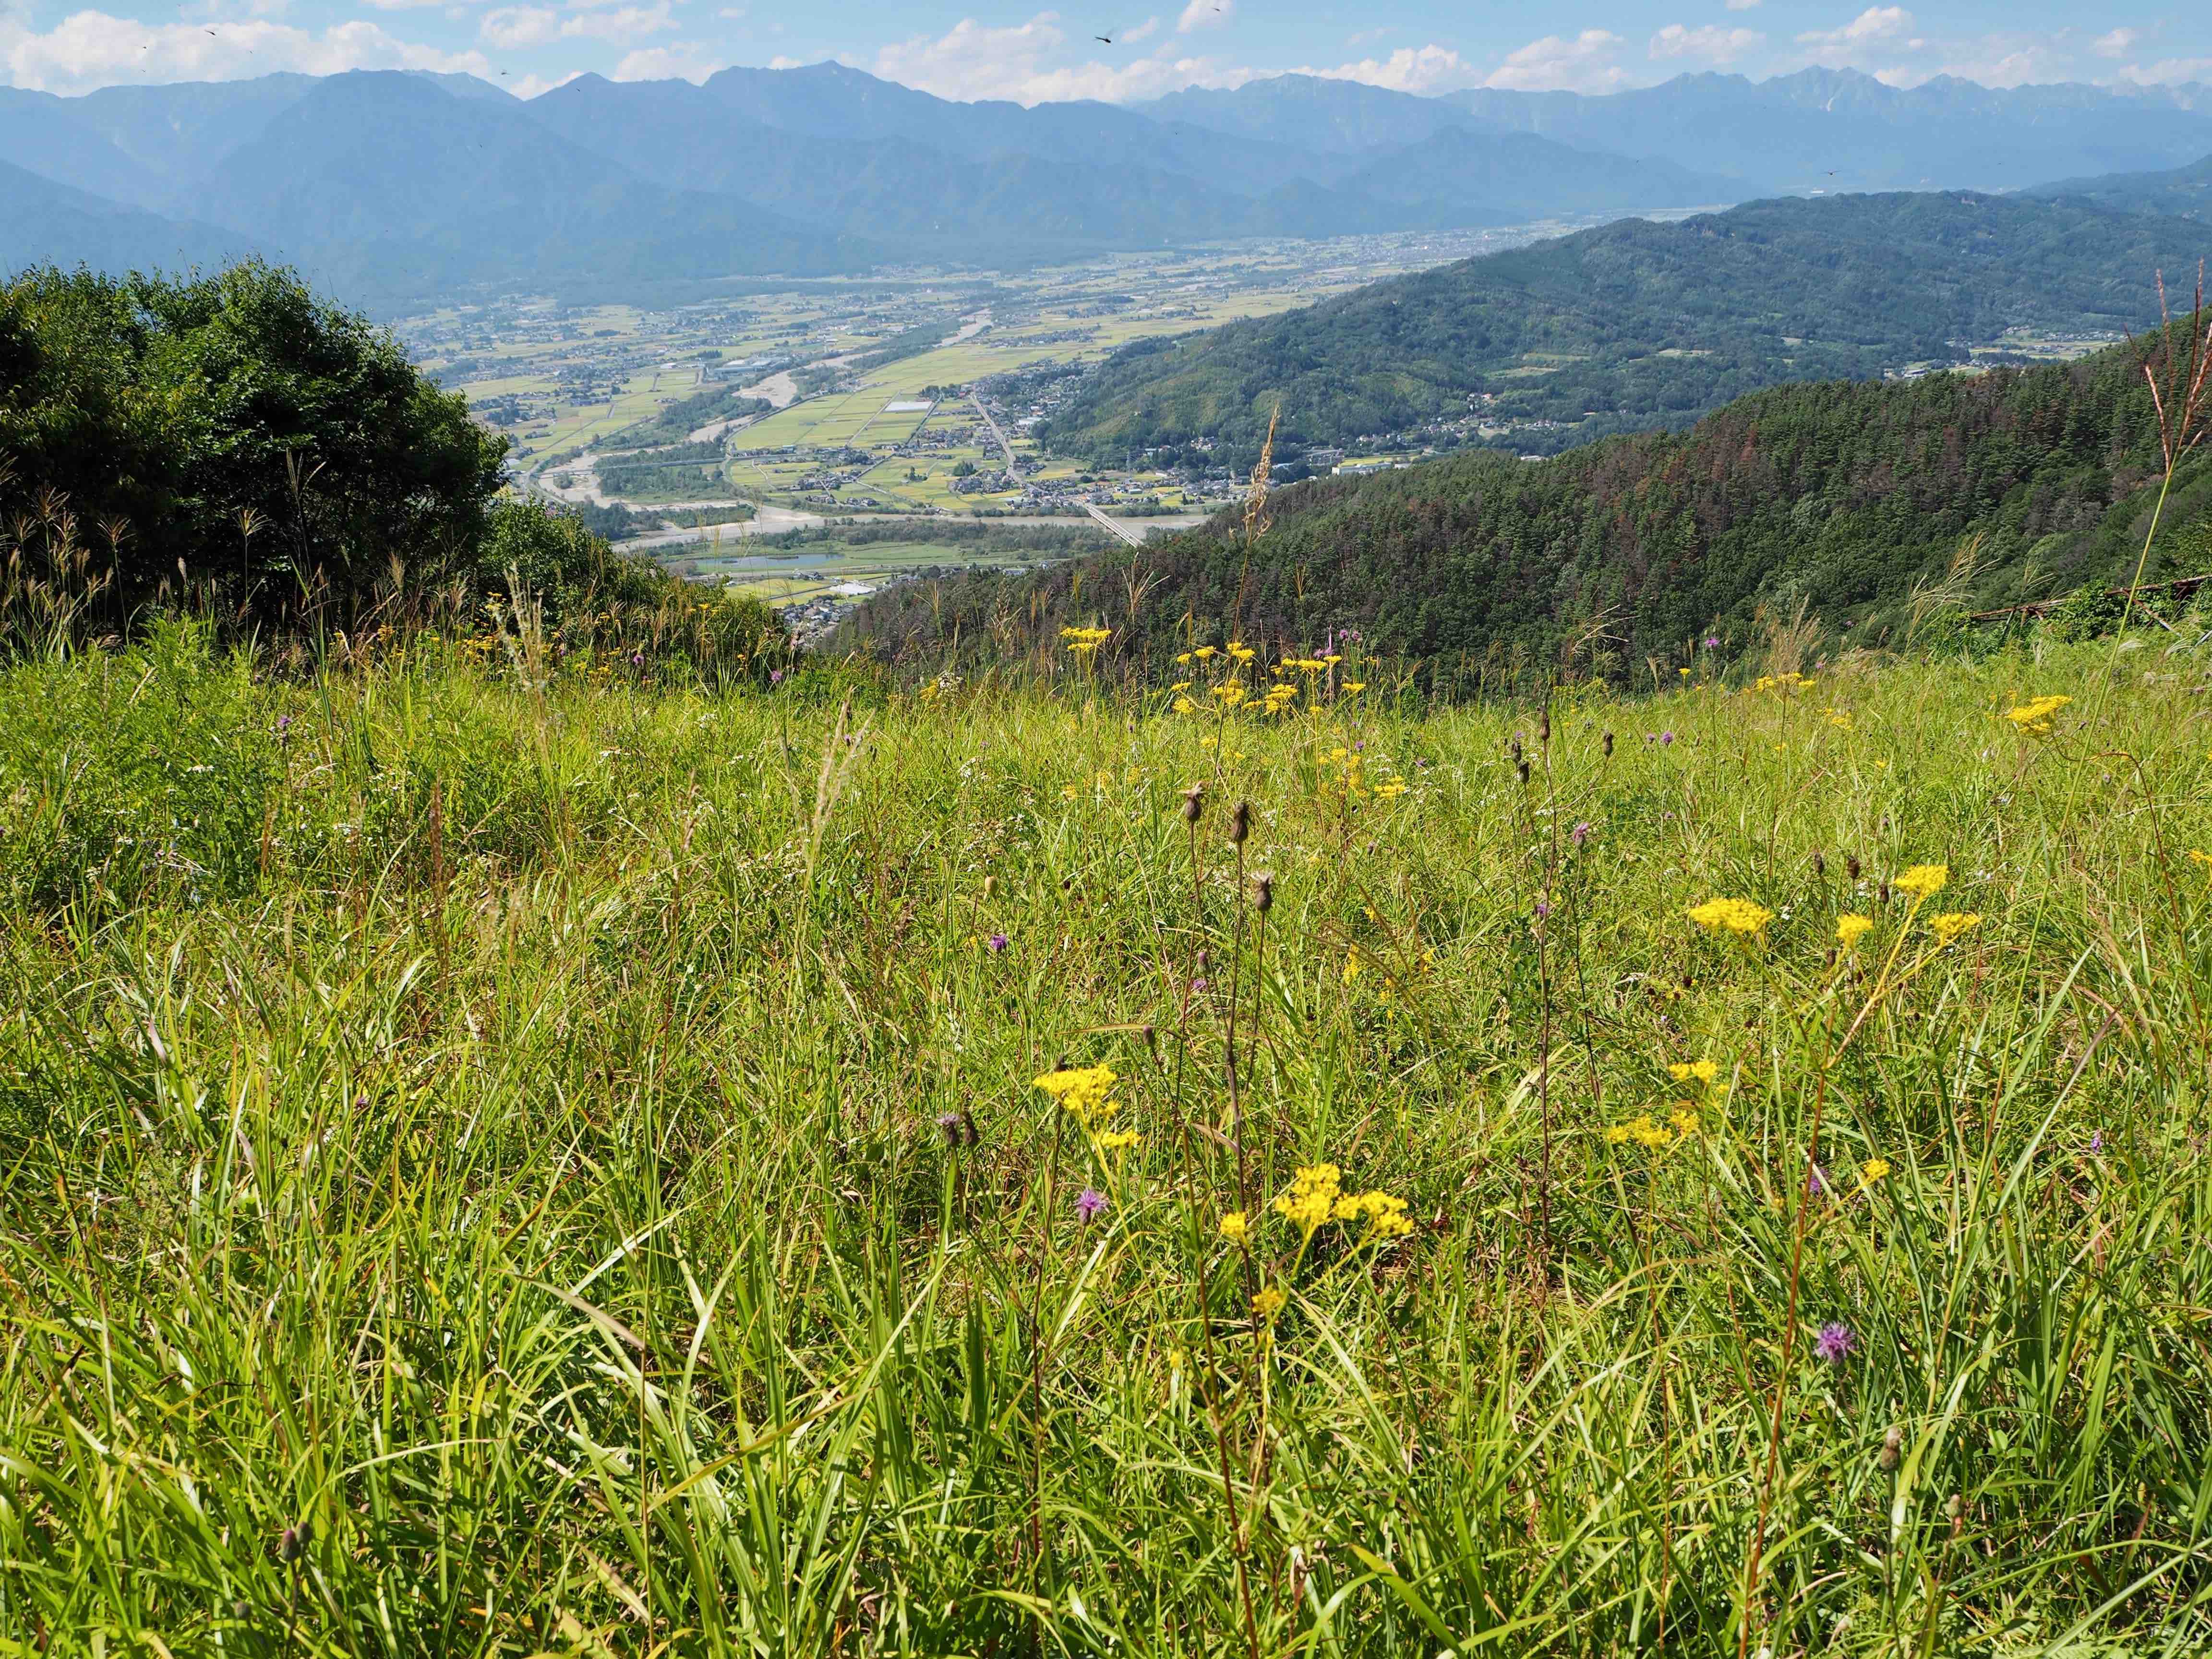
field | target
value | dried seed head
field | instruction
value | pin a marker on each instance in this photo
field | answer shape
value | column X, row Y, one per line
column 1240, row 823
column 1514, row 749
column 1851, row 866
column 1891, row 1443
column 1820, row 863
column 970, row 1131
column 1263, row 899
column 1152, row 1042
column 1543, row 725
column 990, row 885
column 1522, row 769
column 1194, row 803
column 1884, row 893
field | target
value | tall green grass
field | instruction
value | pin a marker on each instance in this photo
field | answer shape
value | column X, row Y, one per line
column 556, row 1168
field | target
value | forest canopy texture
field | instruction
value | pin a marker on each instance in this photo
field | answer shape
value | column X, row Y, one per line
column 1845, row 496
column 1636, row 325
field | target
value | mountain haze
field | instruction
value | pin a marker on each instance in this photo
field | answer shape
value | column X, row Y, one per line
column 401, row 188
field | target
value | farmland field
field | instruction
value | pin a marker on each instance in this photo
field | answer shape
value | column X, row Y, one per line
column 508, row 1160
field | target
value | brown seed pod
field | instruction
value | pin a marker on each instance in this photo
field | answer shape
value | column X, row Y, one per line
column 1543, row 725
column 1263, row 898
column 1608, row 745
column 1240, row 822
column 1851, row 866
column 1194, row 803
column 1891, row 1443
column 1820, row 864
column 1521, row 767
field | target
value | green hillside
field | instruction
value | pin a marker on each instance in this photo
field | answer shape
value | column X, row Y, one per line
column 1637, row 325
column 1842, row 494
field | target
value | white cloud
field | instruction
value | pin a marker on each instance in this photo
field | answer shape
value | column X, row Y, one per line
column 1145, row 30
column 1429, row 68
column 2115, row 44
column 1711, row 42
column 1205, row 15
column 678, row 63
column 511, row 28
column 1588, row 63
column 1872, row 26
column 2169, row 71
column 89, row 48
column 972, row 60
column 534, row 86
column 1743, row 5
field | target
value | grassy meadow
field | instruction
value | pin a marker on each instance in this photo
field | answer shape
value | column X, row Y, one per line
column 499, row 1165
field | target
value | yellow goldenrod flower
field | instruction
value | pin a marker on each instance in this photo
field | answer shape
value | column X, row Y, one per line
column 1235, row 1226
column 1351, row 966
column 1312, row 1197
column 1351, row 686
column 1684, row 1117
column 1703, row 1070
column 1850, row 929
column 1951, row 923
column 1120, row 1141
column 1735, row 916
column 1081, row 1088
column 1269, row 1302
column 1874, row 1170
column 2038, row 717
column 1184, row 706
column 1068, row 792
column 1203, row 653
column 1923, row 881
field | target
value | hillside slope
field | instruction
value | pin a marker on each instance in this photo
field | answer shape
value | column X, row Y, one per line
column 2178, row 194
column 1635, row 324
column 42, row 223
column 1842, row 494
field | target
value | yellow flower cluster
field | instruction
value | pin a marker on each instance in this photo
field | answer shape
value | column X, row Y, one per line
column 1235, row 1226
column 1948, row 927
column 1241, row 652
column 1083, row 641
column 1120, row 1141
column 1081, row 1089
column 1316, row 1196
column 1850, row 929
column 1874, row 1170
column 1705, row 1071
column 1647, row 1132
column 1923, row 881
column 1781, row 682
column 2038, row 716
column 1732, row 915
column 1278, row 697
column 1269, row 1302
column 1312, row 1196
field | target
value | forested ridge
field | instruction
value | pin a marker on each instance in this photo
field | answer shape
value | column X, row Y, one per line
column 1841, row 495
column 1636, row 325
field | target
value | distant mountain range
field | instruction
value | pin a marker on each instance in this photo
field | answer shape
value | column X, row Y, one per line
column 397, row 189
column 1636, row 325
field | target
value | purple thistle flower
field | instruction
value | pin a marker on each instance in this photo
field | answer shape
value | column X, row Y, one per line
column 776, row 677
column 1816, row 1183
column 1543, row 909
column 997, row 942
column 2097, row 1140
column 1580, row 833
column 1835, row 1342
column 1712, row 642
column 950, row 1123
column 1666, row 739
column 1090, row 1202
column 283, row 724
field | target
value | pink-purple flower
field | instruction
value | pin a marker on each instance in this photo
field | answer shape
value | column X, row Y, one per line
column 1835, row 1342
column 1090, row 1202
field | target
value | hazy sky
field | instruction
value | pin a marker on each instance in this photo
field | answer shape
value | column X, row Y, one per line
column 1001, row 51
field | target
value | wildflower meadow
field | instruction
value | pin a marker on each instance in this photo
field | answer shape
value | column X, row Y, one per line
column 500, row 1160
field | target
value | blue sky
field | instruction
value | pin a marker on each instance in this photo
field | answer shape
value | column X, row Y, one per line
column 1031, row 53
